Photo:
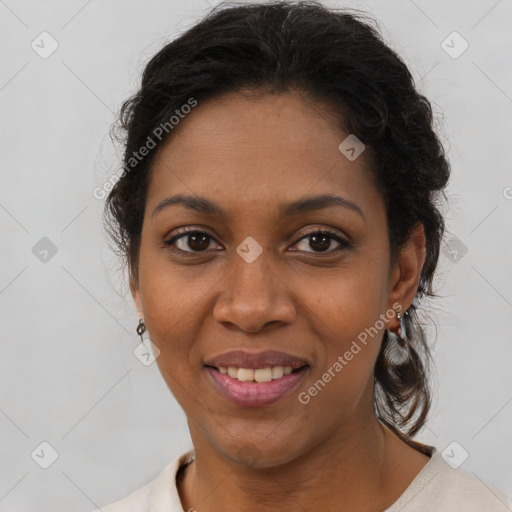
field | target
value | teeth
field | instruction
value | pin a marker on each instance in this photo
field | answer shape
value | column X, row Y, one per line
column 262, row 374
column 277, row 372
column 245, row 374
column 259, row 375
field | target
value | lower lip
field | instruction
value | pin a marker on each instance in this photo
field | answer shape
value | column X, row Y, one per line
column 256, row 394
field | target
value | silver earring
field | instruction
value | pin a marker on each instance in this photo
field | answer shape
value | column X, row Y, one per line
column 401, row 329
column 141, row 328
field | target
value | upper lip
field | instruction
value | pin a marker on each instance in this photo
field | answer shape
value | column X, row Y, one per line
column 255, row 360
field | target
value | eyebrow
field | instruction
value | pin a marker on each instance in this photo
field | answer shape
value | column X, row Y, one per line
column 308, row 204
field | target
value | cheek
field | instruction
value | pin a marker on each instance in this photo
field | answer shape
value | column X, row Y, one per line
column 173, row 294
column 350, row 343
column 174, row 312
column 346, row 314
column 347, row 301
column 174, row 301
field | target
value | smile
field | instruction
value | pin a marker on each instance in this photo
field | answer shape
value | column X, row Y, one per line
column 248, row 387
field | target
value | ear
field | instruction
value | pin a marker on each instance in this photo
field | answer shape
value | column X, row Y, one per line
column 134, row 288
column 406, row 272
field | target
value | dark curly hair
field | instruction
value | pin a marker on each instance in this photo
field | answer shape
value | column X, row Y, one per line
column 337, row 58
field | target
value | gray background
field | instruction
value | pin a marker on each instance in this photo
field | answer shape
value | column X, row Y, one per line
column 68, row 375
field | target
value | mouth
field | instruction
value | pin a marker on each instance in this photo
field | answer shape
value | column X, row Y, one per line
column 266, row 374
column 255, row 387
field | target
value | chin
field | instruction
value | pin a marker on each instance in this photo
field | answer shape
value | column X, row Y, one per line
column 261, row 454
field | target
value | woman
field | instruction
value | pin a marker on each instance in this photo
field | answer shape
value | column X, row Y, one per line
column 278, row 213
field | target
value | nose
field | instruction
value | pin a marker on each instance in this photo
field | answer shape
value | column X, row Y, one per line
column 254, row 295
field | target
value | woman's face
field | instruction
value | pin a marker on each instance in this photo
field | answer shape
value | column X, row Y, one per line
column 257, row 278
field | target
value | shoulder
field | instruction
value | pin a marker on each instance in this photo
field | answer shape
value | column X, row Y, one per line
column 138, row 501
column 440, row 487
column 158, row 494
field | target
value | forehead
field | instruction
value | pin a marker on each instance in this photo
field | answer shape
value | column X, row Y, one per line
column 247, row 151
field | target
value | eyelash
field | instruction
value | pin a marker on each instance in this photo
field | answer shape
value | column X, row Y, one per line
column 303, row 235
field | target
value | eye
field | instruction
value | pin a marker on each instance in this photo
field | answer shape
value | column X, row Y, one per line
column 196, row 241
column 320, row 241
column 191, row 241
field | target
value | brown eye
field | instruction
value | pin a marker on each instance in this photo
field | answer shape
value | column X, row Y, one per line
column 198, row 241
column 320, row 241
column 191, row 241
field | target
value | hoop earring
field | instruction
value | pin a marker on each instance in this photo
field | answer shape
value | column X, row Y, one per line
column 141, row 328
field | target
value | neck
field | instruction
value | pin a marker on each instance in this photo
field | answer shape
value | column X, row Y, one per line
column 346, row 469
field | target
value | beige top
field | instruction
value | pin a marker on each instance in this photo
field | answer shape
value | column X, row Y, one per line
column 436, row 487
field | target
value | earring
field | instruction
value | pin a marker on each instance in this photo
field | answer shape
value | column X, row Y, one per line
column 141, row 328
column 401, row 329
